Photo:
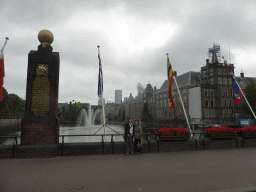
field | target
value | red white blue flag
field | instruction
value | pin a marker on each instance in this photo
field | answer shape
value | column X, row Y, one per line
column 2, row 70
column 236, row 90
column 100, row 80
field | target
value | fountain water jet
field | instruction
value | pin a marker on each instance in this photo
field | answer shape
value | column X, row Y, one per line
column 87, row 119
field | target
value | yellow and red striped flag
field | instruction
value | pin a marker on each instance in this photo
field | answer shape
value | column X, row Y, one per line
column 170, row 81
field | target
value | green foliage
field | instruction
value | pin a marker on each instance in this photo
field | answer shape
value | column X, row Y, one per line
column 250, row 93
column 145, row 115
column 117, row 118
column 12, row 106
column 121, row 116
column 70, row 114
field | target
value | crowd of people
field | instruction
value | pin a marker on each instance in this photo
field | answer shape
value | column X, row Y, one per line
column 133, row 136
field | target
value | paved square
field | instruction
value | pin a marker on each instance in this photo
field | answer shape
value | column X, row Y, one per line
column 230, row 170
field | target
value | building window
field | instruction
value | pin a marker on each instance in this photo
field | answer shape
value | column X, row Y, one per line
column 212, row 81
column 225, row 113
column 161, row 103
column 164, row 103
column 179, row 102
column 164, row 95
column 160, row 96
column 206, row 113
column 206, row 104
column 231, row 103
column 225, row 81
column 225, row 103
column 230, row 81
column 219, row 71
column 211, row 103
column 179, row 112
column 211, row 93
column 222, row 103
column 230, row 92
column 206, row 92
column 221, row 92
column 157, row 104
column 157, row 96
column 184, row 90
column 220, row 80
column 225, row 71
column 225, row 93
column 231, row 113
column 212, row 113
column 185, row 100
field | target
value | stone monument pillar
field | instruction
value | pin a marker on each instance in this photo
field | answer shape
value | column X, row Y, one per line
column 40, row 125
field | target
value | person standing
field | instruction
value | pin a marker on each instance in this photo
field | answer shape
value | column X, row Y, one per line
column 129, row 132
column 138, row 136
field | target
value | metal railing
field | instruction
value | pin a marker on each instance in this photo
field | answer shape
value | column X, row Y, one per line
column 146, row 137
column 102, row 140
column 11, row 137
column 14, row 145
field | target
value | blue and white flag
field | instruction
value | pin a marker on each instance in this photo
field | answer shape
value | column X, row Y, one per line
column 100, row 81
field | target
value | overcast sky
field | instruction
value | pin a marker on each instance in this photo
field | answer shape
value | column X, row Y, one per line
column 134, row 37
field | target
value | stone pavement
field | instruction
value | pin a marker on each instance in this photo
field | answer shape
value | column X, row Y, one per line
column 232, row 170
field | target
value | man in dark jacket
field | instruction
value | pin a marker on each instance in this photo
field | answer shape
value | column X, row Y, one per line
column 129, row 133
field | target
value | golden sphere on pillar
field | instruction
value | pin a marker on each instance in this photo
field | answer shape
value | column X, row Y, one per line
column 45, row 36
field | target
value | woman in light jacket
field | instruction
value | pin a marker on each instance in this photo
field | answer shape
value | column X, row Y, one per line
column 138, row 135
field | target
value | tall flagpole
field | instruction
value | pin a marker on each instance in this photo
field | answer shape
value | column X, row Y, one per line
column 6, row 39
column 103, row 111
column 246, row 100
column 182, row 105
column 181, row 99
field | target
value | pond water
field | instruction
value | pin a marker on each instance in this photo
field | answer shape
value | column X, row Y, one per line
column 109, row 129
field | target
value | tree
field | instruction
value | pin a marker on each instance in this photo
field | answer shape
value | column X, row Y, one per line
column 250, row 93
column 69, row 115
column 121, row 115
column 145, row 115
column 11, row 106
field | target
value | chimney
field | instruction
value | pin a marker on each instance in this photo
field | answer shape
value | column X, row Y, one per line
column 207, row 61
column 154, row 87
column 175, row 73
column 242, row 74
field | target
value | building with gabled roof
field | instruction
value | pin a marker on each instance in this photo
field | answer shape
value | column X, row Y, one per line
column 185, row 82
